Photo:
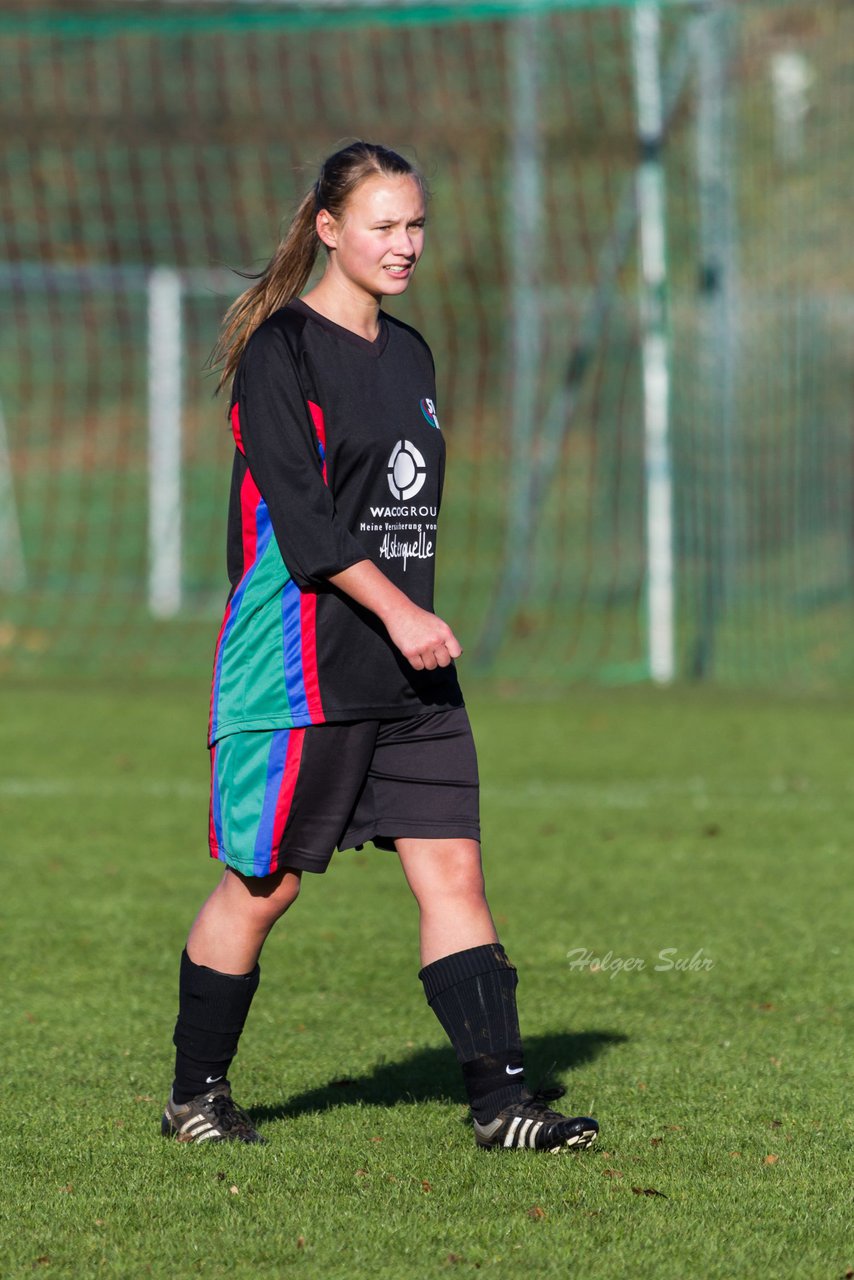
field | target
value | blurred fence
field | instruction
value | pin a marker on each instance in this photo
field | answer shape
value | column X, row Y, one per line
column 650, row 447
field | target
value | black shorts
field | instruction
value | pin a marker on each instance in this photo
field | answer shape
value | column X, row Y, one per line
column 290, row 796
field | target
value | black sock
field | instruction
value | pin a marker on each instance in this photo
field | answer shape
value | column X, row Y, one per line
column 473, row 994
column 212, row 1009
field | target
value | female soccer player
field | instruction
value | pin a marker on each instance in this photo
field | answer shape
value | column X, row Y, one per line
column 336, row 716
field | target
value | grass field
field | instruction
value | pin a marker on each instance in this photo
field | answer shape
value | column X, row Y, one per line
column 716, row 829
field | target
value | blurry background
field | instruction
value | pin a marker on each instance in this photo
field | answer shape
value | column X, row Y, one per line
column 650, row 448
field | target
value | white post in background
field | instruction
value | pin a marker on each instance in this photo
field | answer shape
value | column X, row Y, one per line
column 655, row 346
column 525, row 225
column 13, row 574
column 164, row 442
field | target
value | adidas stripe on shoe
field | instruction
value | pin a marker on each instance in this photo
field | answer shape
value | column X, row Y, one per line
column 530, row 1124
column 210, row 1117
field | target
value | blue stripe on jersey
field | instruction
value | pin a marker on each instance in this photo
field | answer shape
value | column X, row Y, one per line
column 292, row 652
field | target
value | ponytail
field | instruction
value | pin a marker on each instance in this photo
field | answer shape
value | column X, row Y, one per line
column 287, row 273
column 284, row 278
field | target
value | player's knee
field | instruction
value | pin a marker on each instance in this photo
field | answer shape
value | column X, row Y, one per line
column 271, row 897
column 463, row 876
column 285, row 894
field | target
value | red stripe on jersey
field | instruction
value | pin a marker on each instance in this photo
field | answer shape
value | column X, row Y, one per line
column 285, row 798
column 213, row 843
column 308, row 634
column 250, row 496
column 320, row 428
column 235, row 428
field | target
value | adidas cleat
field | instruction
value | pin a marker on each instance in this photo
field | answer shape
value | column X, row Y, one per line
column 530, row 1124
column 210, row 1117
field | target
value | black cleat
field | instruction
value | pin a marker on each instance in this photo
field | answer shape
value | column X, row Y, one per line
column 530, row 1124
column 210, row 1117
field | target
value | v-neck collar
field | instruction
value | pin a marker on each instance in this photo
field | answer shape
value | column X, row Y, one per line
column 375, row 348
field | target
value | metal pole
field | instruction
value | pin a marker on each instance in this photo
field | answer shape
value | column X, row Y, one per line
column 655, row 347
column 164, row 442
column 525, row 237
column 718, row 330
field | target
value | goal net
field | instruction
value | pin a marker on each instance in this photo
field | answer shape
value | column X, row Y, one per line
column 637, row 288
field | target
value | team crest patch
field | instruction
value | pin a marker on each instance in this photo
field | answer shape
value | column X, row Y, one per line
column 428, row 408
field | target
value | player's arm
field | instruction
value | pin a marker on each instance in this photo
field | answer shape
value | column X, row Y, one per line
column 278, row 439
column 423, row 638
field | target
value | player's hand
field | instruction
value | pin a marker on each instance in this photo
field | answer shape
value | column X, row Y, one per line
column 424, row 639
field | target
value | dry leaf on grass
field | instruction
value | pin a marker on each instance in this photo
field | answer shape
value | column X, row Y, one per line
column 536, row 1213
column 770, row 1159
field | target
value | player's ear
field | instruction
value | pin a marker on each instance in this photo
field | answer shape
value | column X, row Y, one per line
column 326, row 228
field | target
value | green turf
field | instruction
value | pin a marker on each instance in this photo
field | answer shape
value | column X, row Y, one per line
column 623, row 822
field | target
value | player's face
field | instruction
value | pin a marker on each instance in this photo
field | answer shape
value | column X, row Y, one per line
column 379, row 239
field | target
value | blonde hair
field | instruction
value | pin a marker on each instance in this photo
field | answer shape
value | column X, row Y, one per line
column 288, row 271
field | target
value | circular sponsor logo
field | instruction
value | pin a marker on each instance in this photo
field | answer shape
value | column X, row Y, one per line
column 407, row 470
column 428, row 408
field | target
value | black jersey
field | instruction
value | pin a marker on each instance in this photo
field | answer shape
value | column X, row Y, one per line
column 339, row 458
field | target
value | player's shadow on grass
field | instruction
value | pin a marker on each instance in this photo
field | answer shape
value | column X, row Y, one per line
column 433, row 1074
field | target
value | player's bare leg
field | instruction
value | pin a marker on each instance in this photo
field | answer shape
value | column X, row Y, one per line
column 471, row 986
column 446, row 877
column 232, row 926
